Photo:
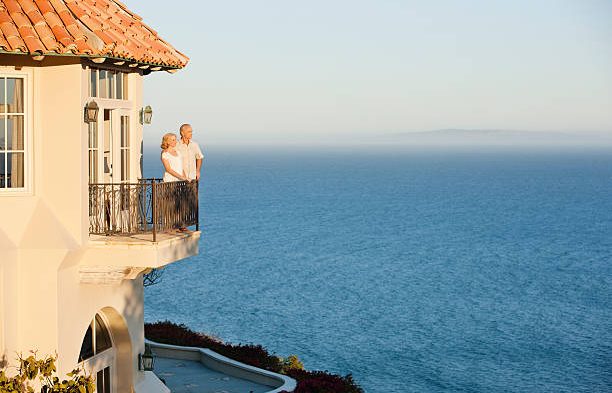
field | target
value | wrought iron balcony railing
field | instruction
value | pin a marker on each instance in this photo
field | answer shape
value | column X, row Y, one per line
column 149, row 206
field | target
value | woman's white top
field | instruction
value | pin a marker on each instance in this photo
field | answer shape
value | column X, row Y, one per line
column 176, row 163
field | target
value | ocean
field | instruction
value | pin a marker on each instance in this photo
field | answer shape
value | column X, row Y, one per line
column 415, row 270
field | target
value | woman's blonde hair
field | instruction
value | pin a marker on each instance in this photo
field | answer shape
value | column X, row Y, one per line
column 165, row 139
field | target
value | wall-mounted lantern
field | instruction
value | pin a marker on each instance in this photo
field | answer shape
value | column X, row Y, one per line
column 146, row 114
column 91, row 112
column 146, row 361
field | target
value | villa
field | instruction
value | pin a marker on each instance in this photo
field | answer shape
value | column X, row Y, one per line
column 79, row 225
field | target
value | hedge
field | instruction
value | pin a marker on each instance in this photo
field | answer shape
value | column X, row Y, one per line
column 167, row 332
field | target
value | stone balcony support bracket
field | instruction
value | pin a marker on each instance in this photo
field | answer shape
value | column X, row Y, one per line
column 108, row 275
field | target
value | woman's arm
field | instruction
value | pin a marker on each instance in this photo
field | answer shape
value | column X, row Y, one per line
column 184, row 173
column 171, row 171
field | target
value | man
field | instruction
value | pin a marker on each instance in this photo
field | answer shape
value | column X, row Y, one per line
column 190, row 150
column 192, row 163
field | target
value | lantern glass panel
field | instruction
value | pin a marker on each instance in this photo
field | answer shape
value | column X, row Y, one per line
column 148, row 115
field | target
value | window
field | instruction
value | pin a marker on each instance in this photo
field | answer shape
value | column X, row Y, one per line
column 93, row 83
column 110, row 84
column 107, row 84
column 93, row 152
column 103, row 381
column 103, row 84
column 125, row 148
column 119, row 86
column 97, row 339
column 98, row 355
column 12, row 133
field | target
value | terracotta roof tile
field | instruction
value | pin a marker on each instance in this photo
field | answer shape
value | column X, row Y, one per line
column 66, row 17
column 125, row 20
column 60, row 34
column 16, row 43
column 75, row 31
column 27, row 32
column 44, row 6
column 12, row 36
column 59, row 5
column 28, row 6
column 20, row 20
column 3, row 43
column 82, row 47
column 78, row 12
column 50, row 43
column 36, row 18
column 11, row 6
column 34, row 44
column 5, row 17
column 53, row 20
column 99, row 28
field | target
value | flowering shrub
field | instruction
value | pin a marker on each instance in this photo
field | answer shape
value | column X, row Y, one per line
column 323, row 382
column 290, row 363
column 254, row 355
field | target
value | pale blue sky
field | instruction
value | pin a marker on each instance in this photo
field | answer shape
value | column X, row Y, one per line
column 340, row 70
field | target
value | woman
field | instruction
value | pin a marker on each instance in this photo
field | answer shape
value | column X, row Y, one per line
column 173, row 165
column 172, row 159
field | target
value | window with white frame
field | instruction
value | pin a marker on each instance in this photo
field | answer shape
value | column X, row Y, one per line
column 108, row 84
column 97, row 339
column 13, row 146
column 98, row 353
column 125, row 148
column 94, row 153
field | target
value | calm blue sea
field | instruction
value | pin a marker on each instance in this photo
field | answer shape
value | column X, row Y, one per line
column 415, row 270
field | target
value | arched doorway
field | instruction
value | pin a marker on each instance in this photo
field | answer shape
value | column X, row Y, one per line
column 106, row 352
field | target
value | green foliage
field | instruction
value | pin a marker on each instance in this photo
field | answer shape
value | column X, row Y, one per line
column 292, row 362
column 31, row 367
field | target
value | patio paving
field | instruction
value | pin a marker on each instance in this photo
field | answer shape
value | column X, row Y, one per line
column 190, row 376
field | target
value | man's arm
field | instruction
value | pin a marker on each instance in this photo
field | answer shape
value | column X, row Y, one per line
column 198, row 156
column 198, row 166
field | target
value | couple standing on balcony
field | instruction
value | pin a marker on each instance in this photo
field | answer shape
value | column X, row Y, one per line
column 182, row 159
column 182, row 162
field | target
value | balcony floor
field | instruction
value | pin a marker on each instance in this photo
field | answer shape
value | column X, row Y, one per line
column 139, row 250
column 141, row 238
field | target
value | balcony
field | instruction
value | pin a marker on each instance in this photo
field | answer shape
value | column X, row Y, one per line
column 133, row 227
column 142, row 210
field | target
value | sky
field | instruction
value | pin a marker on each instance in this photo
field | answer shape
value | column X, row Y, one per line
column 280, row 71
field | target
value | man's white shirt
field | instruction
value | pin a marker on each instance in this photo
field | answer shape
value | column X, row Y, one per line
column 191, row 153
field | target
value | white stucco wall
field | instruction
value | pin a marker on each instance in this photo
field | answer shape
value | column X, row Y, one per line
column 44, row 230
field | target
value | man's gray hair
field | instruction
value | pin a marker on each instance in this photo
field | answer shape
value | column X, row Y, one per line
column 182, row 127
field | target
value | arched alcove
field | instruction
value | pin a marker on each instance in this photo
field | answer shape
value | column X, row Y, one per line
column 106, row 352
